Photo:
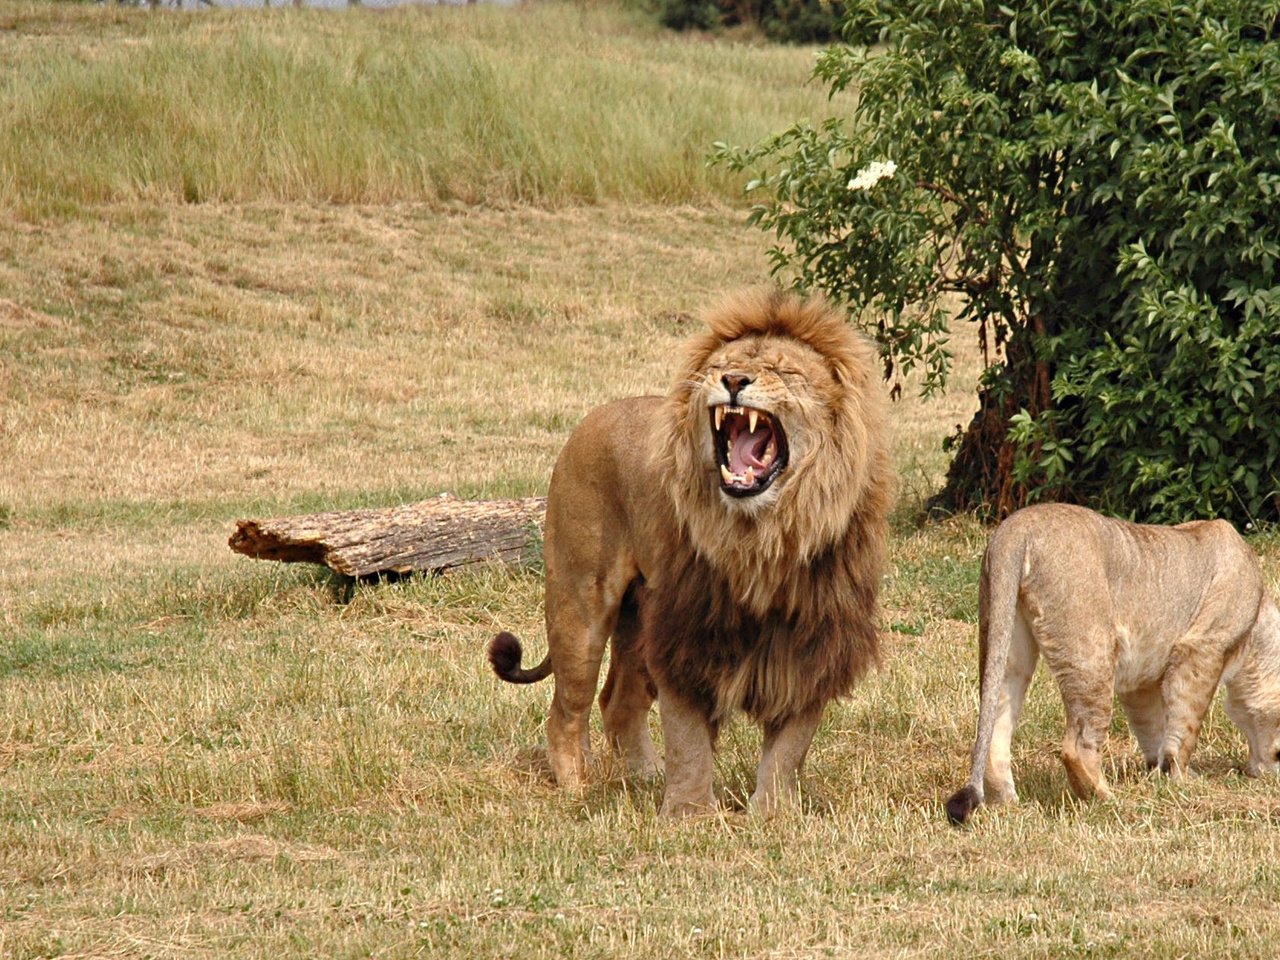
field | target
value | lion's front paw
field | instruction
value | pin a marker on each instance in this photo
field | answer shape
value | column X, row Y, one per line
column 675, row 806
column 679, row 811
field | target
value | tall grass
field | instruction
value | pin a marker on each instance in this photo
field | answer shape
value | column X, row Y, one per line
column 549, row 104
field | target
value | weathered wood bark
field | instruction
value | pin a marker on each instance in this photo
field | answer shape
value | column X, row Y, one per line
column 428, row 536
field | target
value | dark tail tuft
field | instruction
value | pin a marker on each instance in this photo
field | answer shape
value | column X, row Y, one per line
column 962, row 803
column 505, row 654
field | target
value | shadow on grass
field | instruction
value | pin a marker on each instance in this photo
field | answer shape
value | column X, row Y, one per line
column 608, row 787
column 1044, row 784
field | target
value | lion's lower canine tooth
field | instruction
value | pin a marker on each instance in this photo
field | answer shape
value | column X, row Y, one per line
column 751, row 477
column 725, row 474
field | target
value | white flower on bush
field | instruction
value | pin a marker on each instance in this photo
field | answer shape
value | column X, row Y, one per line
column 872, row 174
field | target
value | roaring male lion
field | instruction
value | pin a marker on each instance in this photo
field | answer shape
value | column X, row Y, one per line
column 728, row 537
column 1156, row 615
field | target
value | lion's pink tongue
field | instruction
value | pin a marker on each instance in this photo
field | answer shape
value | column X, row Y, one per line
column 749, row 449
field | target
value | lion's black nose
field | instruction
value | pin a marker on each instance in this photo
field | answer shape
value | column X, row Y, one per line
column 734, row 382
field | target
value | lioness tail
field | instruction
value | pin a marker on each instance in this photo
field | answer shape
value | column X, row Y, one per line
column 962, row 803
column 505, row 654
column 997, row 608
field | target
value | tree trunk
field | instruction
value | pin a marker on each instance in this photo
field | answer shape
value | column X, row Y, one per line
column 429, row 536
column 980, row 477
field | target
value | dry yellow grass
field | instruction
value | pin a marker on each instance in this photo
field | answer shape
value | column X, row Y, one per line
column 201, row 755
column 196, row 354
column 258, row 352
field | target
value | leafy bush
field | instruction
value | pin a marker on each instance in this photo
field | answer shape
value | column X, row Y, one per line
column 1097, row 184
column 785, row 21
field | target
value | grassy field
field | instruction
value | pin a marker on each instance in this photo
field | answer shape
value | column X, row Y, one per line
column 203, row 755
column 554, row 103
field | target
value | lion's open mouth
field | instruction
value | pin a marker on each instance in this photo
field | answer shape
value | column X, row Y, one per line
column 751, row 449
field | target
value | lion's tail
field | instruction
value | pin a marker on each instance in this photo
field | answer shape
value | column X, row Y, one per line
column 505, row 654
column 997, row 608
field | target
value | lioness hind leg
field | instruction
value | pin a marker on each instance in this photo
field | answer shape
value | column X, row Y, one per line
column 1188, row 691
column 782, row 756
column 626, row 698
column 1087, row 700
column 1021, row 667
column 1145, row 711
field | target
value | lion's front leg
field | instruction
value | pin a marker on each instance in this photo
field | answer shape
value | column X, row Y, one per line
column 690, row 757
column 778, row 777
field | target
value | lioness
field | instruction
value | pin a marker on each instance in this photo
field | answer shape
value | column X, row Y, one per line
column 1158, row 615
column 728, row 537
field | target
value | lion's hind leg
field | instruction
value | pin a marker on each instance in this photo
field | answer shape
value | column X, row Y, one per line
column 578, row 649
column 628, row 694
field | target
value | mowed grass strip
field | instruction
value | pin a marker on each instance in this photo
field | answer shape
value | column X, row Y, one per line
column 549, row 103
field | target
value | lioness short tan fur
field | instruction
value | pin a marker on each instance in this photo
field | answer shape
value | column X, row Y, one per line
column 728, row 537
column 1158, row 615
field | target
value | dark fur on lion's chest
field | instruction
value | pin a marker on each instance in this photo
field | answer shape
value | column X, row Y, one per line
column 709, row 650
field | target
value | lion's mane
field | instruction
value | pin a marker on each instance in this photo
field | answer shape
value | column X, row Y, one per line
column 773, row 612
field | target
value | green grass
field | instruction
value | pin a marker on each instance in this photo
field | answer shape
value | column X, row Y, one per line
column 203, row 755
column 418, row 103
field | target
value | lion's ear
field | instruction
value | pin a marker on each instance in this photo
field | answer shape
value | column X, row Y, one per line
column 844, row 374
column 848, row 372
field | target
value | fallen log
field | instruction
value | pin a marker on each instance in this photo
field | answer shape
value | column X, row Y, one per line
column 429, row 536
